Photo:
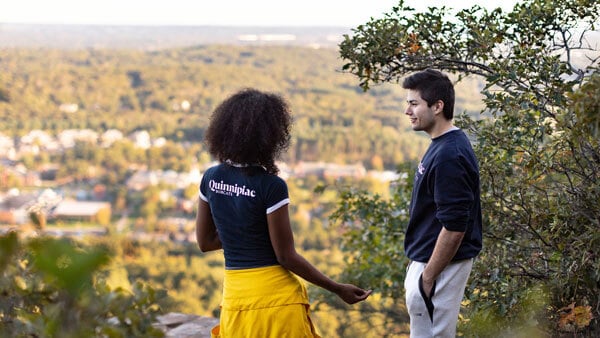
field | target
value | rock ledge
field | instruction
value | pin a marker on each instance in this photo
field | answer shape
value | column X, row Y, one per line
column 183, row 325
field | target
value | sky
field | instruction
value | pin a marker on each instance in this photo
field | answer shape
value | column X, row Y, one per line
column 340, row 13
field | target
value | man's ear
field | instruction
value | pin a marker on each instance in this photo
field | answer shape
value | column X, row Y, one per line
column 438, row 106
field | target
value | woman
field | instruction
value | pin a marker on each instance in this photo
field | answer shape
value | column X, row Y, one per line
column 243, row 209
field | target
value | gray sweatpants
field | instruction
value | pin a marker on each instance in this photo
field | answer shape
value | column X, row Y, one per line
column 436, row 317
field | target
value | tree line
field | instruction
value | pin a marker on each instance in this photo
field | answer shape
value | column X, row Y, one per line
column 171, row 93
column 539, row 153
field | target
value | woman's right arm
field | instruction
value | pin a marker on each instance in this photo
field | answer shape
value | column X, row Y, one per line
column 282, row 239
column 206, row 231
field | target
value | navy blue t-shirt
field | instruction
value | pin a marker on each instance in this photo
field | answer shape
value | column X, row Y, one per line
column 239, row 203
column 446, row 193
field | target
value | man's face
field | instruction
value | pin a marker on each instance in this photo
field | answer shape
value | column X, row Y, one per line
column 421, row 116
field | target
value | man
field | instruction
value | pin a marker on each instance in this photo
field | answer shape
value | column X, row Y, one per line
column 444, row 231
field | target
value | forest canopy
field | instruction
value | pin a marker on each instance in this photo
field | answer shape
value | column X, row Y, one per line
column 171, row 93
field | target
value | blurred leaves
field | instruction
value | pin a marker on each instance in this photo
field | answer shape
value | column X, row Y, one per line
column 8, row 248
column 70, row 267
column 50, row 287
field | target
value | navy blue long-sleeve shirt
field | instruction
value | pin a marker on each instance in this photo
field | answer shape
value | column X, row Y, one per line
column 446, row 193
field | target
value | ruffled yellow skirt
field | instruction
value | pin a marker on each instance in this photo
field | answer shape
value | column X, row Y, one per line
column 264, row 302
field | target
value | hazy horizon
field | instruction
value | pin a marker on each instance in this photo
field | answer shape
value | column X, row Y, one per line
column 263, row 13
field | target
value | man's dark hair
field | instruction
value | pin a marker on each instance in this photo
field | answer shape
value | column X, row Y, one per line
column 433, row 85
column 250, row 127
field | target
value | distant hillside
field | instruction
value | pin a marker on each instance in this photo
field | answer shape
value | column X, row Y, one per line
column 167, row 80
column 158, row 37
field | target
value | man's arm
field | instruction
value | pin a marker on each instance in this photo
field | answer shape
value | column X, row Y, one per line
column 453, row 199
column 445, row 248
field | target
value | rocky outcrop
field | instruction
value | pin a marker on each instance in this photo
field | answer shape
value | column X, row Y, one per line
column 181, row 325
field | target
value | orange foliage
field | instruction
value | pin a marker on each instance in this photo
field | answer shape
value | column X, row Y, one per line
column 413, row 45
column 573, row 318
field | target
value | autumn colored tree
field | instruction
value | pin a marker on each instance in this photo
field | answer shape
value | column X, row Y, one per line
column 537, row 142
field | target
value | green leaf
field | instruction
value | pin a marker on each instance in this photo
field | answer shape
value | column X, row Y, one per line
column 72, row 267
column 8, row 248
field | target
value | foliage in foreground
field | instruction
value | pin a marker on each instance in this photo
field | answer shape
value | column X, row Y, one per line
column 537, row 142
column 50, row 288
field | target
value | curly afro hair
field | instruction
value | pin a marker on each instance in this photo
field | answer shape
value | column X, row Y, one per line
column 250, row 127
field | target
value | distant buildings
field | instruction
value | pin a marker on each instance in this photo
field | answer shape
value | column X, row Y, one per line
column 89, row 203
column 141, row 179
column 266, row 37
column 87, row 211
column 141, row 139
column 68, row 138
column 15, row 208
column 109, row 137
column 336, row 171
column 37, row 141
column 7, row 146
column 69, row 108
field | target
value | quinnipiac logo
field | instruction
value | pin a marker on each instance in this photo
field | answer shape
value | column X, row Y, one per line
column 230, row 190
column 421, row 168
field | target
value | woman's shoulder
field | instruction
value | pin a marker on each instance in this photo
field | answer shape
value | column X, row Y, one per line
column 213, row 170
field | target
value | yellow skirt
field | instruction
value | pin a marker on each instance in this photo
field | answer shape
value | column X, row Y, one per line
column 264, row 302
